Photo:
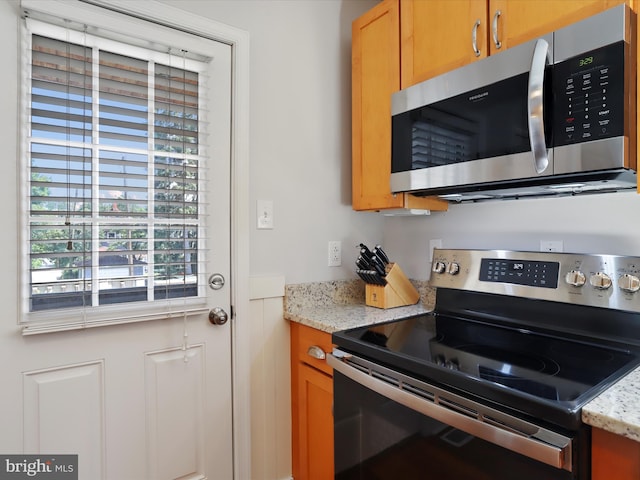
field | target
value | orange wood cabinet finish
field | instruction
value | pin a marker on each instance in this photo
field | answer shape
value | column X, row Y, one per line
column 614, row 457
column 375, row 49
column 523, row 20
column 311, row 402
column 436, row 36
column 375, row 63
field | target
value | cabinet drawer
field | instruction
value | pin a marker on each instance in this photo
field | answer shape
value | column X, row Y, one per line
column 309, row 344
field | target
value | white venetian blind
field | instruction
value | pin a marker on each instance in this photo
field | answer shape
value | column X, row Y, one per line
column 114, row 173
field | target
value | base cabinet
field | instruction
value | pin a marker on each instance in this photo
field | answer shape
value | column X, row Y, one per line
column 614, row 457
column 311, row 402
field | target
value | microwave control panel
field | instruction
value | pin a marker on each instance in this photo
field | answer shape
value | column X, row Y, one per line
column 589, row 96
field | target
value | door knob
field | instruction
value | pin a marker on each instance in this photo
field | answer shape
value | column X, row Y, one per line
column 218, row 316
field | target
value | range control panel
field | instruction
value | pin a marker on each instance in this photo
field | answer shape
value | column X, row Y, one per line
column 608, row 281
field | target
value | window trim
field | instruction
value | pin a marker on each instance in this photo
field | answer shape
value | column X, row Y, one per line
column 63, row 319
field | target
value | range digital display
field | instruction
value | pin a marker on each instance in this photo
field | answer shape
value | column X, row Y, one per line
column 520, row 272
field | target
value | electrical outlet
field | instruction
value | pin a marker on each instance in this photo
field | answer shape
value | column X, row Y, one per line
column 335, row 253
column 551, row 245
column 436, row 243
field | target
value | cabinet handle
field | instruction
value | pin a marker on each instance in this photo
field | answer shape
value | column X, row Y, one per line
column 316, row 352
column 474, row 36
column 494, row 29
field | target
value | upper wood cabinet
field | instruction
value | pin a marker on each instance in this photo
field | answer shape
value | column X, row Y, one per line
column 437, row 35
column 523, row 20
column 375, row 76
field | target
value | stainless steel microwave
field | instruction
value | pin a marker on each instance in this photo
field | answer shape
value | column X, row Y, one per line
column 556, row 115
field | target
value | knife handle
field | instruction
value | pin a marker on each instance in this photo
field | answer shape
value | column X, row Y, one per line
column 380, row 253
column 378, row 266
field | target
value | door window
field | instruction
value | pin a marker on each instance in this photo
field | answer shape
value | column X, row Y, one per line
column 114, row 173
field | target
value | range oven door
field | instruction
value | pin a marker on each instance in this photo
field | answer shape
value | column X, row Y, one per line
column 389, row 426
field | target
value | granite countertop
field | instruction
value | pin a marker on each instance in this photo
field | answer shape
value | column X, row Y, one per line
column 340, row 305
column 617, row 409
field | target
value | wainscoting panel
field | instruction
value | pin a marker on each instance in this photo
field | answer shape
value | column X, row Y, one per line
column 64, row 413
column 174, row 381
column 270, row 381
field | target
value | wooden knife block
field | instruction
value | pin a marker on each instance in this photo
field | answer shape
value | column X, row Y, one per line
column 398, row 292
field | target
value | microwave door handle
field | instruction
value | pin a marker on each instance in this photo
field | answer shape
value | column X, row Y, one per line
column 535, row 106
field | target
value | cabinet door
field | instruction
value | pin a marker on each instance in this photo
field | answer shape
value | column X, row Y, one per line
column 614, row 457
column 311, row 404
column 375, row 51
column 375, row 45
column 523, row 20
column 436, row 36
column 314, row 425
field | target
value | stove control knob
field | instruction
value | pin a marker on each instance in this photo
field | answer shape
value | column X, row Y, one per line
column 440, row 360
column 438, row 267
column 575, row 278
column 452, row 365
column 453, row 268
column 600, row 280
column 629, row 283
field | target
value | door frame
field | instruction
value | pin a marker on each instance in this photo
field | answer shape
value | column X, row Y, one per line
column 239, row 283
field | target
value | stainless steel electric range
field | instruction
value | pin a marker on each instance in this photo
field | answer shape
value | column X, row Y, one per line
column 492, row 383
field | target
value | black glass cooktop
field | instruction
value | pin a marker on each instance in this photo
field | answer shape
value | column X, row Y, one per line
column 512, row 366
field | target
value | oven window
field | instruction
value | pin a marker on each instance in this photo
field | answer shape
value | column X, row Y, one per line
column 377, row 438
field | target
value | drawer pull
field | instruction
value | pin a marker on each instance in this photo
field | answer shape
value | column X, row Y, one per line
column 316, row 352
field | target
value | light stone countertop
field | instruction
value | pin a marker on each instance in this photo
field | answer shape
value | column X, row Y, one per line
column 340, row 305
column 617, row 409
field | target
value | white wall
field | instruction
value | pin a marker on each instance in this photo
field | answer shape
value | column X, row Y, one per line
column 602, row 223
column 300, row 148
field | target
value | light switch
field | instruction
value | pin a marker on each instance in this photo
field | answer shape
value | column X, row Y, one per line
column 264, row 213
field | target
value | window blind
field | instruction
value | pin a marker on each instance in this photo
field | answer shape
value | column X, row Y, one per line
column 115, row 173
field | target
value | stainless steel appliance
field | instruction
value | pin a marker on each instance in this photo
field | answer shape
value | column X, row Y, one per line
column 494, row 380
column 555, row 115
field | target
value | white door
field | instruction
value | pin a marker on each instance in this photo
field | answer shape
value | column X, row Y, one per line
column 146, row 399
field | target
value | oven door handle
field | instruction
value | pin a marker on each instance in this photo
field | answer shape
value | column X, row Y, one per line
column 525, row 438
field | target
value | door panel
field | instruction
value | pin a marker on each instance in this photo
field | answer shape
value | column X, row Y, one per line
column 63, row 405
column 175, row 413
